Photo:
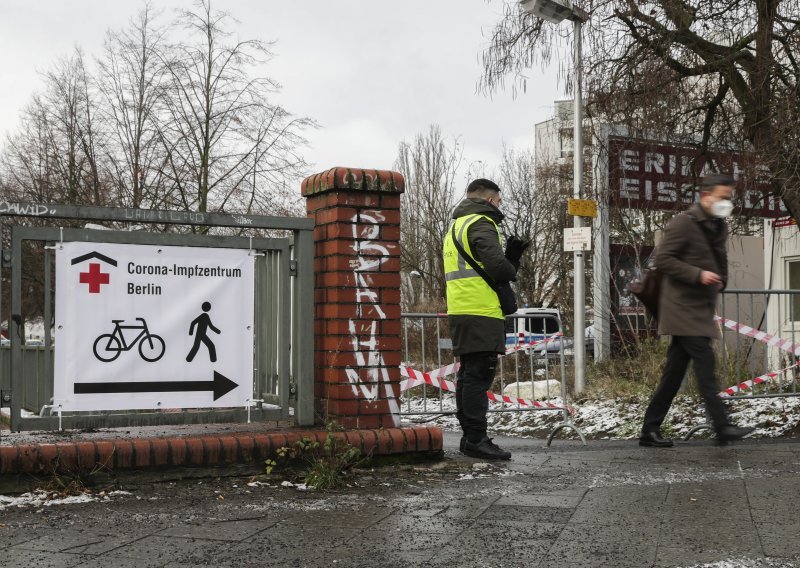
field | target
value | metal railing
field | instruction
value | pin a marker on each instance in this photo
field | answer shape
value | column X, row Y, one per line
column 761, row 337
column 531, row 376
column 758, row 355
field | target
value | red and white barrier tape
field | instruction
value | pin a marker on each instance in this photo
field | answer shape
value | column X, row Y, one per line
column 433, row 378
column 525, row 402
column 763, row 337
column 746, row 385
column 523, row 346
column 416, row 378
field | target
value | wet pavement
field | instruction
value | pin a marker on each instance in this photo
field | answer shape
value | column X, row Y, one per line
column 609, row 504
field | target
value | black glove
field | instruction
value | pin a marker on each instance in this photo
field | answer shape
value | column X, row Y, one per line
column 514, row 249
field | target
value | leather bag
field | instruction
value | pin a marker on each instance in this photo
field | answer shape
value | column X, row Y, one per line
column 647, row 290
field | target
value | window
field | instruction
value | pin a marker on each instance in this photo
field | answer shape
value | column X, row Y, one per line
column 541, row 326
column 793, row 283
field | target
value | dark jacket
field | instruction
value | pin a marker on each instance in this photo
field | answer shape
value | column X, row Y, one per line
column 473, row 334
column 693, row 241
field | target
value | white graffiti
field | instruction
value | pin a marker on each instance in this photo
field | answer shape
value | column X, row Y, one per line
column 32, row 209
column 155, row 215
column 242, row 220
column 369, row 359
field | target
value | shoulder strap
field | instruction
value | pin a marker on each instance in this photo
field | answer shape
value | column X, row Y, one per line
column 471, row 261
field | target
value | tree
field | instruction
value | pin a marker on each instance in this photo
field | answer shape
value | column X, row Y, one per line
column 532, row 197
column 722, row 74
column 224, row 140
column 132, row 78
column 54, row 157
column 430, row 167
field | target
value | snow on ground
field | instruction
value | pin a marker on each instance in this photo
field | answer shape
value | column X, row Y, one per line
column 745, row 563
column 41, row 498
column 618, row 418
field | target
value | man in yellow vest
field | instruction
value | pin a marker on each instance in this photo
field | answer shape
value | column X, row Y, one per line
column 477, row 324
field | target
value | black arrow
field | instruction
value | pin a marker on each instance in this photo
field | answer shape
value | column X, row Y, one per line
column 221, row 385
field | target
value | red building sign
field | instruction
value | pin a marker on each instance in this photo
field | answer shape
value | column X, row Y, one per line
column 654, row 175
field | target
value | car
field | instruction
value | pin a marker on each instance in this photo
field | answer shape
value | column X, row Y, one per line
column 541, row 326
column 532, row 325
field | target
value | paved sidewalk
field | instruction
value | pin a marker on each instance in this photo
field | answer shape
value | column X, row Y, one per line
column 610, row 504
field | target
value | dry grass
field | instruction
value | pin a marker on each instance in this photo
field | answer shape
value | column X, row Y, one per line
column 630, row 375
column 634, row 374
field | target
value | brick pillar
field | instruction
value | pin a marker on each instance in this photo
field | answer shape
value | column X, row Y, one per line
column 356, row 295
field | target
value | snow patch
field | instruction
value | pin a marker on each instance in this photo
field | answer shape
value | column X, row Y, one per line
column 533, row 390
column 42, row 498
column 619, row 419
column 656, row 477
column 745, row 563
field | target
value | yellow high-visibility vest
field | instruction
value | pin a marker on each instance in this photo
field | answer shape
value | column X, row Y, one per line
column 467, row 293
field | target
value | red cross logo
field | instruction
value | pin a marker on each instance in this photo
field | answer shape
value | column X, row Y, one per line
column 94, row 278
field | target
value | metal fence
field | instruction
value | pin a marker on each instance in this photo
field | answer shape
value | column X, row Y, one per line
column 757, row 357
column 283, row 372
column 761, row 342
column 37, row 386
column 531, row 376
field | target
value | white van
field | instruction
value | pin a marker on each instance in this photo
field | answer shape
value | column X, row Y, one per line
column 533, row 324
column 529, row 325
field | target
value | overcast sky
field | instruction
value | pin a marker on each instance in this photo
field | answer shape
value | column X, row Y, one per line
column 371, row 72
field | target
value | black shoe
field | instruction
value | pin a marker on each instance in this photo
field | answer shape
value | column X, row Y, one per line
column 461, row 444
column 654, row 440
column 731, row 433
column 485, row 450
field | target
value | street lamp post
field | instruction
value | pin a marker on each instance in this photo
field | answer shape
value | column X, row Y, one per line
column 556, row 11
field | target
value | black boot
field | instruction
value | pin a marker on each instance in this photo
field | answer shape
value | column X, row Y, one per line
column 461, row 444
column 654, row 440
column 485, row 450
column 730, row 433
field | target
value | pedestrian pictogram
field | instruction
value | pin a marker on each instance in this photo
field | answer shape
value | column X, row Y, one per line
column 108, row 346
column 201, row 324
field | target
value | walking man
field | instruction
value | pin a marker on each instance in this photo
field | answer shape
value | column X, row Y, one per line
column 693, row 262
column 477, row 323
column 203, row 324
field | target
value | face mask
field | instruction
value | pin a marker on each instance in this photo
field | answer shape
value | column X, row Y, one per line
column 722, row 208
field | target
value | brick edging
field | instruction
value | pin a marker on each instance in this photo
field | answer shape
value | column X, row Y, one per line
column 207, row 451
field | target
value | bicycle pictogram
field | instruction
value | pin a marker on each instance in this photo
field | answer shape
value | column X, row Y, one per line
column 108, row 346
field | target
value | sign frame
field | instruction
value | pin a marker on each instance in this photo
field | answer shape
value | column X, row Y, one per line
column 273, row 407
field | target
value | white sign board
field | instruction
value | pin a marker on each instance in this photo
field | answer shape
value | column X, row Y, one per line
column 577, row 239
column 150, row 327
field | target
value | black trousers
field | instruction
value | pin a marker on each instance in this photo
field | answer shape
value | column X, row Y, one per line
column 475, row 376
column 682, row 350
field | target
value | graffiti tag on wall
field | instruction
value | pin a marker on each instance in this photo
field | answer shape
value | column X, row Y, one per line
column 369, row 358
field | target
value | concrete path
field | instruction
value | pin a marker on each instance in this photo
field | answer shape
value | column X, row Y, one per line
column 610, row 504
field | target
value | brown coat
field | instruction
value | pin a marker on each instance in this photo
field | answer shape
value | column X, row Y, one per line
column 687, row 307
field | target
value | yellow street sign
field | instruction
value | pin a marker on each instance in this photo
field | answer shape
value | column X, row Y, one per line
column 582, row 207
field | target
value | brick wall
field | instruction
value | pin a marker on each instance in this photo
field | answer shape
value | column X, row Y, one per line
column 356, row 294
